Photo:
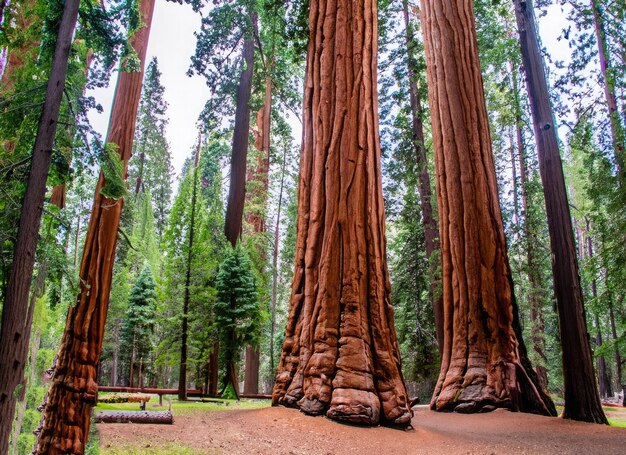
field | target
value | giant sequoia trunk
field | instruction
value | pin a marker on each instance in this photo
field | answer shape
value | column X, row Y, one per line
column 582, row 401
column 431, row 238
column 15, row 325
column 238, row 161
column 257, row 217
column 237, row 188
column 484, row 362
column 74, row 388
column 340, row 356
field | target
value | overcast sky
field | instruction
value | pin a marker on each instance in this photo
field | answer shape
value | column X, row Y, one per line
column 172, row 41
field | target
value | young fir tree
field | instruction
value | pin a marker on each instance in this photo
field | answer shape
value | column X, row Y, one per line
column 139, row 325
column 237, row 310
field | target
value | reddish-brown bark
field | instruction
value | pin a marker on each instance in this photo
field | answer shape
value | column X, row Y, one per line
column 340, row 356
column 256, row 217
column 213, row 369
column 582, row 401
column 237, row 188
column 74, row 388
column 484, row 363
column 15, row 325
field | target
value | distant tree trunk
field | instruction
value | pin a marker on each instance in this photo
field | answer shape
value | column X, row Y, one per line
column 604, row 382
column 142, row 160
column 535, row 299
column 617, row 133
column 257, row 220
column 74, row 389
column 182, row 378
column 484, row 362
column 15, row 328
column 251, row 376
column 341, row 356
column 514, row 183
column 237, row 189
column 431, row 234
column 131, row 380
column 275, row 251
column 59, row 192
column 582, row 401
column 213, row 369
column 116, row 353
column 37, row 293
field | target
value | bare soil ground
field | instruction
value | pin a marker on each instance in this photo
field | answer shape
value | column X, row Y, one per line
column 287, row 431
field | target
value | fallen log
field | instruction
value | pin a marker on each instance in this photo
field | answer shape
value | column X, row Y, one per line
column 159, row 417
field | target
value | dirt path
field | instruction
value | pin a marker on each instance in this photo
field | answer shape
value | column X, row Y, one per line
column 287, row 431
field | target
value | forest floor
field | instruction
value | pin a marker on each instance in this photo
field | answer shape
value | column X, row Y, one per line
column 253, row 428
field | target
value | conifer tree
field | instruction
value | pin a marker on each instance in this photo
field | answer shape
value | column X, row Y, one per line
column 150, row 167
column 237, row 310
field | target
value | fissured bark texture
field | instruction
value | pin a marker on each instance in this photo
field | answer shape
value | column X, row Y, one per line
column 74, row 387
column 484, row 362
column 340, row 356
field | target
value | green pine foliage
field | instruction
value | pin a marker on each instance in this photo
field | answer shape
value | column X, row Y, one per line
column 138, row 328
column 238, row 315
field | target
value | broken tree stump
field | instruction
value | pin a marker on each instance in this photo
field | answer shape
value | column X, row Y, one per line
column 158, row 417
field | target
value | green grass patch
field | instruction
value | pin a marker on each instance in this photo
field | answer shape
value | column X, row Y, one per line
column 621, row 423
column 185, row 407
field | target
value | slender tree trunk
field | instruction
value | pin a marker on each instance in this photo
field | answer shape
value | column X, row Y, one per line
column 431, row 235
column 514, row 183
column 142, row 159
column 15, row 327
column 131, row 371
column 116, row 353
column 182, row 378
column 214, row 369
column 535, row 297
column 74, row 389
column 274, row 296
column 37, row 293
column 617, row 133
column 616, row 355
column 604, row 382
column 582, row 401
column 341, row 356
column 238, row 161
column 484, row 362
column 257, row 219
